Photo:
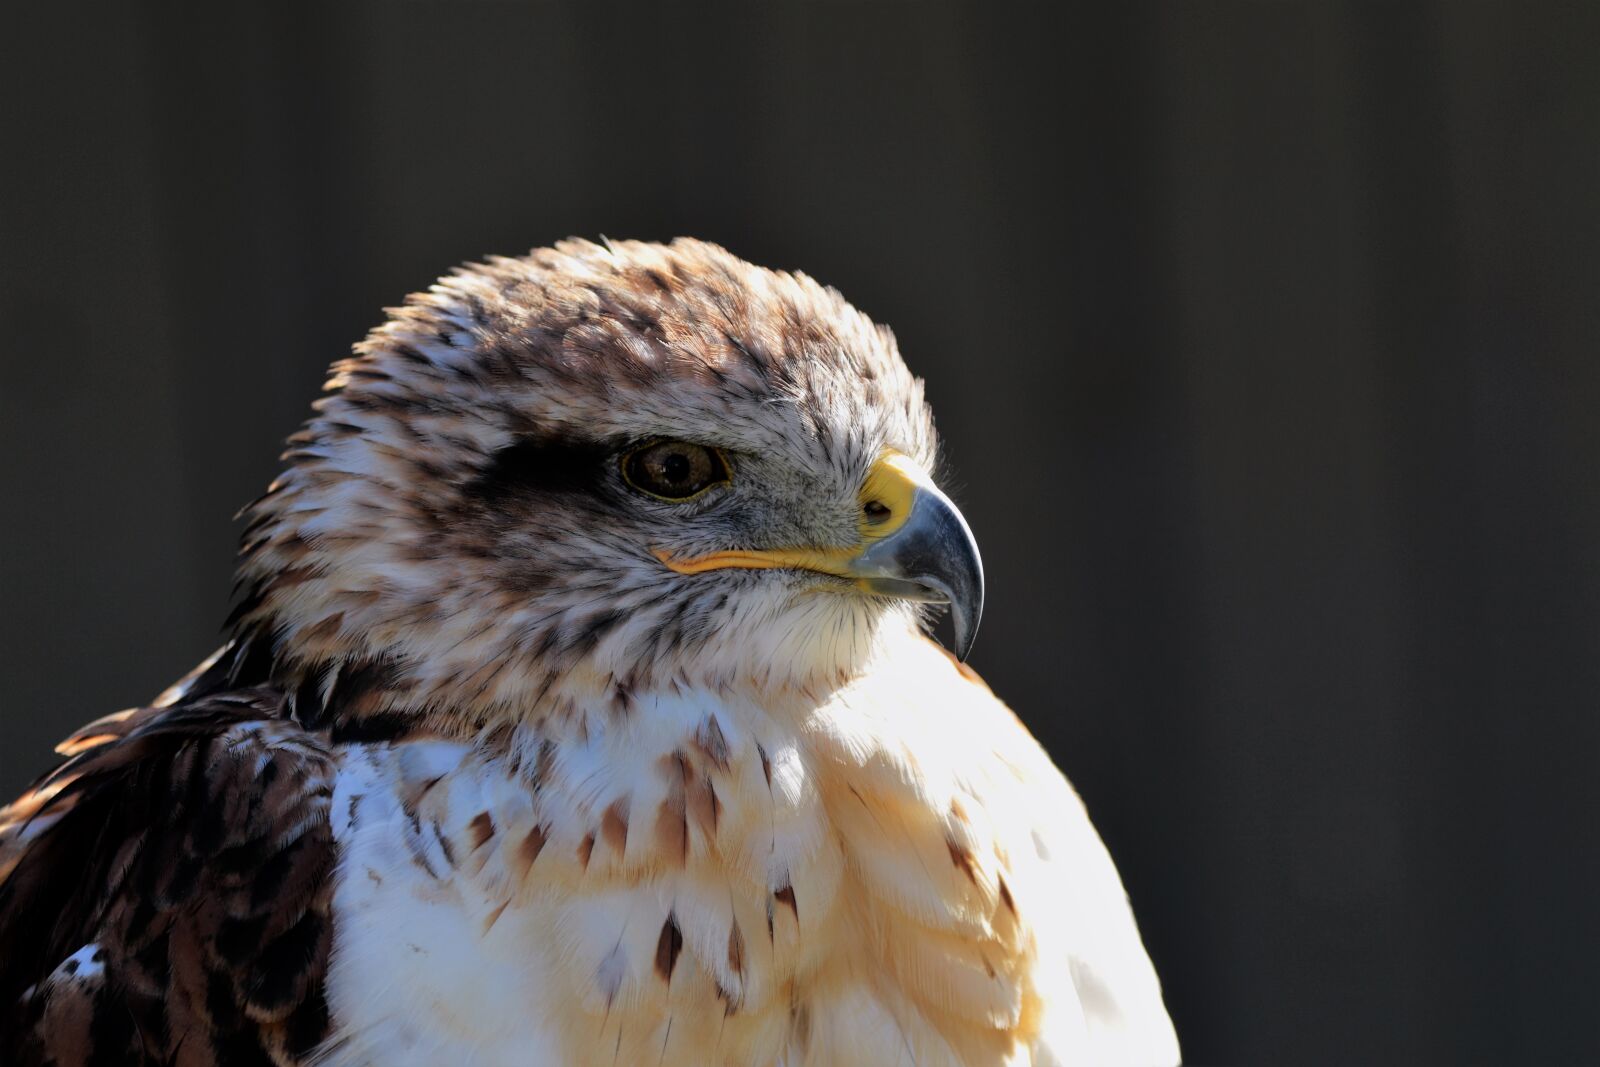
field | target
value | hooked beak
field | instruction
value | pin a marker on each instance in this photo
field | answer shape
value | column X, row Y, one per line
column 914, row 545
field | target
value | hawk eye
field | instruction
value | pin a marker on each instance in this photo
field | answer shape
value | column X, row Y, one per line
column 674, row 470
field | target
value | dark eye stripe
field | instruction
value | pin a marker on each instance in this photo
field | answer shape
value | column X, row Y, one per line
column 543, row 465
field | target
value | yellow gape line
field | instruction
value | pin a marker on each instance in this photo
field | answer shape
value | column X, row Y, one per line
column 887, row 496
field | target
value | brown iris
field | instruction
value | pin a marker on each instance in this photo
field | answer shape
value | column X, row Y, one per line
column 674, row 470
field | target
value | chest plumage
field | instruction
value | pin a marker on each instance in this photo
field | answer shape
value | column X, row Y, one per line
column 695, row 880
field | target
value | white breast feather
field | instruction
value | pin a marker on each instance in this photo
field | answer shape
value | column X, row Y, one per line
column 898, row 876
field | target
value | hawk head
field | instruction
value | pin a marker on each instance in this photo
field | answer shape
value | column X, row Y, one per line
column 600, row 467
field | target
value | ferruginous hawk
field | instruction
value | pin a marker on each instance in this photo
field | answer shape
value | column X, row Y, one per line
column 577, row 711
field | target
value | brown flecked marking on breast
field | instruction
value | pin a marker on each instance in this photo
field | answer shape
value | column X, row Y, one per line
column 785, row 896
column 672, row 829
column 614, row 824
column 668, row 945
column 414, row 792
column 527, row 851
column 494, row 916
column 444, row 843
column 481, row 829
column 703, row 805
column 736, row 949
column 766, row 763
column 585, row 850
column 1005, row 897
column 962, row 857
column 711, row 742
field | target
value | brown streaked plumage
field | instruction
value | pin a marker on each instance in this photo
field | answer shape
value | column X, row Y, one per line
column 188, row 848
column 514, row 758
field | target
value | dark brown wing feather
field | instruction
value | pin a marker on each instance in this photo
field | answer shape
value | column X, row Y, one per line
column 190, row 845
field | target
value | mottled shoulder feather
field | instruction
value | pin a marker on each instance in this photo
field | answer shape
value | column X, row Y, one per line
column 165, row 892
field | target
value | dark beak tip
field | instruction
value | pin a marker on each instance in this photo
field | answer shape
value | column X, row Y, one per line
column 965, row 622
column 963, row 585
column 966, row 611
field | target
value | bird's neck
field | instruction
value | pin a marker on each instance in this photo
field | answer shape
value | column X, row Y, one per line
column 378, row 693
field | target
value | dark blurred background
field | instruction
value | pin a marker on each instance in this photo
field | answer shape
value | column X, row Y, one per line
column 1263, row 339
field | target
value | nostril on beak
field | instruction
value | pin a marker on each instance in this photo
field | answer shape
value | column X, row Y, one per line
column 876, row 511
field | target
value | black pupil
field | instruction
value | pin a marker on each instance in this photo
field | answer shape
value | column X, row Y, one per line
column 674, row 470
column 676, row 467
